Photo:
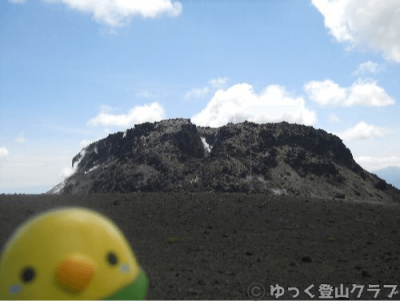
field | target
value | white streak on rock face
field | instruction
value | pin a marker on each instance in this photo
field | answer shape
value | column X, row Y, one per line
column 83, row 153
column 95, row 149
column 278, row 191
column 194, row 180
column 124, row 134
column 93, row 168
column 207, row 147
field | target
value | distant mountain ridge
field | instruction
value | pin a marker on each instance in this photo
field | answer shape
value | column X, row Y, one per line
column 390, row 174
column 175, row 155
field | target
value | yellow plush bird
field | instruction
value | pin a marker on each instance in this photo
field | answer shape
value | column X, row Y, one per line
column 70, row 253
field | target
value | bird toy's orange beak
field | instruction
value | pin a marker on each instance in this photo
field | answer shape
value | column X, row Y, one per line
column 74, row 273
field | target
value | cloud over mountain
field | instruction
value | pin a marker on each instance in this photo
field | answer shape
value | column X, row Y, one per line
column 138, row 114
column 239, row 103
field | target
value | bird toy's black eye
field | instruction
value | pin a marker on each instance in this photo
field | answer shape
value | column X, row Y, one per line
column 112, row 258
column 27, row 274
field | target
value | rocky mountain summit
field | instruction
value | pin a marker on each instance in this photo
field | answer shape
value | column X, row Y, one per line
column 175, row 155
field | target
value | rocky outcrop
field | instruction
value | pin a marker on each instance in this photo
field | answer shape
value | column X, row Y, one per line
column 175, row 155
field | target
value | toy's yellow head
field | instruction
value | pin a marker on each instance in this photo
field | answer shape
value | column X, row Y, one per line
column 72, row 253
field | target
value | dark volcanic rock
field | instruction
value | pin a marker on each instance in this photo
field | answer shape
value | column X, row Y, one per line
column 175, row 155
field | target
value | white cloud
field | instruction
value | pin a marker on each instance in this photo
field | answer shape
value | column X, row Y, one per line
column 3, row 152
column 197, row 92
column 20, row 138
column 239, row 103
column 376, row 163
column 363, row 131
column 117, row 13
column 18, row 1
column 374, row 23
column 368, row 93
column 218, row 82
column 325, row 92
column 213, row 84
column 69, row 171
column 362, row 93
column 368, row 67
column 139, row 114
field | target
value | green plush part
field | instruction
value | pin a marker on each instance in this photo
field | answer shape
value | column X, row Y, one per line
column 136, row 291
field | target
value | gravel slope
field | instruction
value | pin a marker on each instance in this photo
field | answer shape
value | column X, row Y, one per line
column 229, row 241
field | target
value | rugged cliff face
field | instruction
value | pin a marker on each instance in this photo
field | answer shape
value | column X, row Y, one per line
column 175, row 155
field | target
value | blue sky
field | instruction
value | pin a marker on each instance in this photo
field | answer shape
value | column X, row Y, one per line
column 71, row 72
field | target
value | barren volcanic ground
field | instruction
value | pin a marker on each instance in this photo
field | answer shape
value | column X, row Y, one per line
column 229, row 241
